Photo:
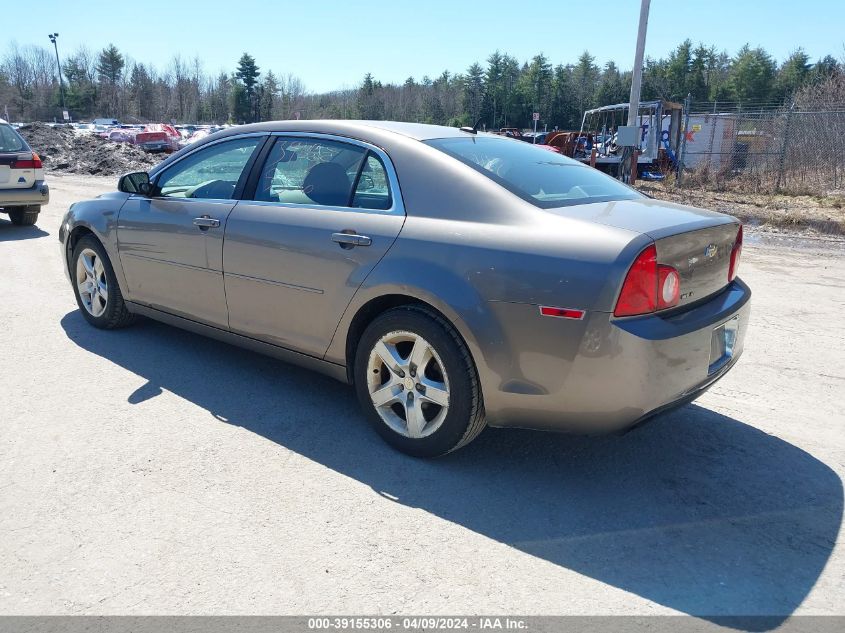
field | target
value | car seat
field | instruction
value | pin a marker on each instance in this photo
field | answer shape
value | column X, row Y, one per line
column 327, row 184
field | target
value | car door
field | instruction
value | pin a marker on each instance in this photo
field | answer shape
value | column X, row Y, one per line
column 324, row 212
column 171, row 244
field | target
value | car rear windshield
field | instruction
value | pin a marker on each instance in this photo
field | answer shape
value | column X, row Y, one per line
column 537, row 175
column 10, row 141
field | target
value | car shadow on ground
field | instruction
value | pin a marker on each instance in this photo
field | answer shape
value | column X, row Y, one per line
column 695, row 511
column 9, row 232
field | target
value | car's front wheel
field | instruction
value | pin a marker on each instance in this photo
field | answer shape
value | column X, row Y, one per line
column 95, row 286
column 417, row 383
column 25, row 216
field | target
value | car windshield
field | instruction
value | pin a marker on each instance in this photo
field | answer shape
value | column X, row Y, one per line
column 537, row 175
column 10, row 141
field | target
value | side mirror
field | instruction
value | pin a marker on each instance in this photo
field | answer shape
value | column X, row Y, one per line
column 136, row 182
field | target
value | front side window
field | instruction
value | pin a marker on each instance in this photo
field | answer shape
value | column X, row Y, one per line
column 211, row 173
column 323, row 172
column 540, row 176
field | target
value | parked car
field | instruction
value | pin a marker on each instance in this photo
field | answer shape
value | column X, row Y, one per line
column 84, row 128
column 194, row 137
column 22, row 188
column 158, row 137
column 456, row 279
column 121, row 135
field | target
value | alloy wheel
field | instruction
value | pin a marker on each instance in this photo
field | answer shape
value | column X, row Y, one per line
column 408, row 385
column 91, row 282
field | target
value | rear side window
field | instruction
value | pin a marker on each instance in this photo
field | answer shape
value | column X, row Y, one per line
column 372, row 190
column 323, row 172
column 542, row 177
column 11, row 141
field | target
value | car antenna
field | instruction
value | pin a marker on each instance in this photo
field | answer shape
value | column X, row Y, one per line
column 474, row 128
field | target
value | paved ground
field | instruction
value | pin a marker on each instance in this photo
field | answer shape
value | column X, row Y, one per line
column 153, row 471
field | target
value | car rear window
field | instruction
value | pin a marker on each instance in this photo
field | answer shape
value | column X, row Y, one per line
column 10, row 141
column 537, row 175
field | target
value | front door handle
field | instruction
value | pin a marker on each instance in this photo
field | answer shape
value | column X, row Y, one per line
column 349, row 240
column 205, row 222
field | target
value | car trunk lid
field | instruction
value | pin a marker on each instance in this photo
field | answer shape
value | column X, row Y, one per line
column 696, row 242
column 701, row 257
column 151, row 137
column 12, row 176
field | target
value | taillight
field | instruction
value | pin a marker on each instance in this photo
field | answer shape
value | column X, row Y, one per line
column 28, row 163
column 668, row 287
column 648, row 286
column 735, row 253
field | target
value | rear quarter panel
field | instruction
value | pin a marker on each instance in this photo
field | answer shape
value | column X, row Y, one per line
column 489, row 279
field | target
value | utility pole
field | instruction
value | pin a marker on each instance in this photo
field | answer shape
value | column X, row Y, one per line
column 53, row 37
column 636, row 85
column 637, row 74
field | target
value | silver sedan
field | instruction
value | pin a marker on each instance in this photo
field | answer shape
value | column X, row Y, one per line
column 456, row 279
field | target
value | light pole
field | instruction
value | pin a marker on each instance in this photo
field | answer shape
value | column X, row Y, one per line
column 53, row 37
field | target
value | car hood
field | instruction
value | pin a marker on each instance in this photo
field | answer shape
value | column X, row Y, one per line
column 656, row 218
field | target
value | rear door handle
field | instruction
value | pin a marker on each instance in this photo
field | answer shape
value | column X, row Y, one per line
column 348, row 240
column 206, row 222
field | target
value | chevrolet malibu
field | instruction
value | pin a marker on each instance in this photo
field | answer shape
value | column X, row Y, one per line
column 456, row 279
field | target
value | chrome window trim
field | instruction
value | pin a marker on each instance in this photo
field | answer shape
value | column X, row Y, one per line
column 397, row 204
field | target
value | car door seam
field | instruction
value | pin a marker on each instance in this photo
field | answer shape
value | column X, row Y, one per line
column 361, row 285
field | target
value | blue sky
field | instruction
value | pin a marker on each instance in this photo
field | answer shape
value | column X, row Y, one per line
column 331, row 44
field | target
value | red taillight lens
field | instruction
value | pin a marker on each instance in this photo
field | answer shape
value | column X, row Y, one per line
column 639, row 292
column 649, row 286
column 31, row 163
column 735, row 253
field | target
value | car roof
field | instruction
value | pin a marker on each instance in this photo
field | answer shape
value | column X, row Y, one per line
column 417, row 131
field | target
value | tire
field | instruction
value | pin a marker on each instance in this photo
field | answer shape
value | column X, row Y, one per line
column 437, row 431
column 108, row 313
column 24, row 216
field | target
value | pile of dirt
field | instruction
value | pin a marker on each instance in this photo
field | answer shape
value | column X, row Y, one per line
column 63, row 150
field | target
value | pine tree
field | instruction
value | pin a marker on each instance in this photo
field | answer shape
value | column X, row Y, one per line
column 585, row 76
column 269, row 97
column 793, row 73
column 752, row 75
column 473, row 93
column 246, row 105
column 110, row 64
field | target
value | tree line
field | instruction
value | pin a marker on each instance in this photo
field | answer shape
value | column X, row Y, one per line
column 501, row 92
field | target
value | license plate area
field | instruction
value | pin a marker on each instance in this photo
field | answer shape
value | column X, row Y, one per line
column 722, row 344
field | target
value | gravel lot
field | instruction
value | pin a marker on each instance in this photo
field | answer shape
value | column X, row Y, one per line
column 151, row 471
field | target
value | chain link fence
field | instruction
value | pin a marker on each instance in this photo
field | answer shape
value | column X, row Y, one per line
column 763, row 149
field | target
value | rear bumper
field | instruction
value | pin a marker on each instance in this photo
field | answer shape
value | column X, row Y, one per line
column 156, row 146
column 604, row 375
column 37, row 194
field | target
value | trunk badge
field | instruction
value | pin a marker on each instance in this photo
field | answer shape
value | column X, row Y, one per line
column 710, row 251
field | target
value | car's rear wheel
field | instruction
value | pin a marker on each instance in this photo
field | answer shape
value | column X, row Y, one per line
column 95, row 286
column 417, row 382
column 24, row 216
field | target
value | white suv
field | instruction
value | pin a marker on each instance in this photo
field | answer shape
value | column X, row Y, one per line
column 22, row 188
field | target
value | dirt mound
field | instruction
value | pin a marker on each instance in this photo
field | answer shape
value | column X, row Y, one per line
column 63, row 150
